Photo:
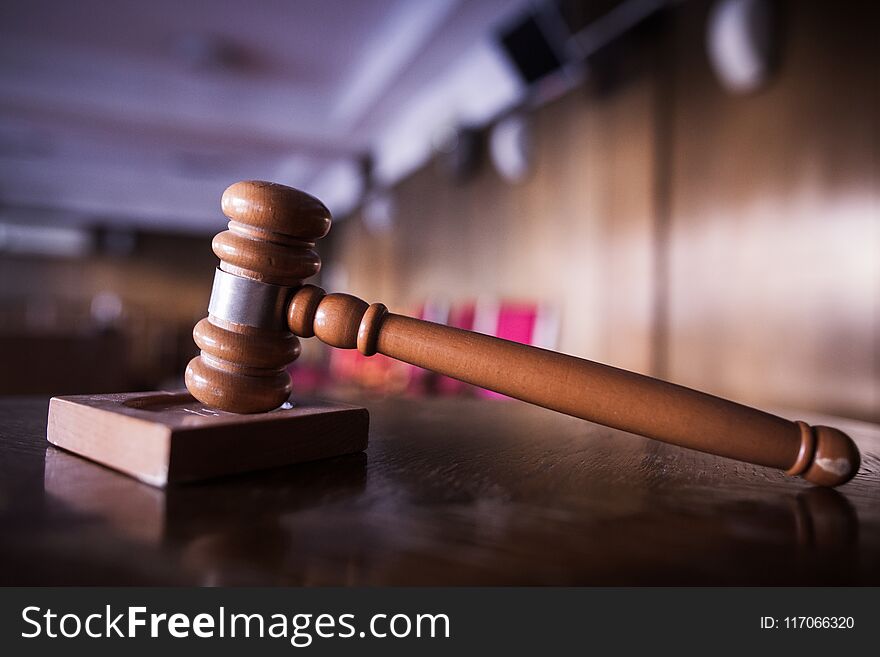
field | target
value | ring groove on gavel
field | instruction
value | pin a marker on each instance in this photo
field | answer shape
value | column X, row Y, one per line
column 242, row 376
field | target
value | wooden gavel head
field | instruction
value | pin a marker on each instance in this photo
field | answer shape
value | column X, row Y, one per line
column 245, row 342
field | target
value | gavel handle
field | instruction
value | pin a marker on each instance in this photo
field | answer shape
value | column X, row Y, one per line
column 588, row 390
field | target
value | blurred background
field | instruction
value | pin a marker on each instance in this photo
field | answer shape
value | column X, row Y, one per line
column 688, row 189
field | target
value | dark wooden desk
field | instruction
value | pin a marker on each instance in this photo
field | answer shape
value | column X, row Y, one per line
column 450, row 492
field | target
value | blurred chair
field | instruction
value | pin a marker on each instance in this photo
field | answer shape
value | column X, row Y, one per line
column 524, row 322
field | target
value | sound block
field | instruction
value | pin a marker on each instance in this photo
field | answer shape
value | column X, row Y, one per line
column 169, row 437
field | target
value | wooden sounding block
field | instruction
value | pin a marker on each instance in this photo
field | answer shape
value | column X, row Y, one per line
column 169, row 437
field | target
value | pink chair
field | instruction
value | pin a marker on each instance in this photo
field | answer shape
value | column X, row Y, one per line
column 527, row 323
column 381, row 374
column 460, row 316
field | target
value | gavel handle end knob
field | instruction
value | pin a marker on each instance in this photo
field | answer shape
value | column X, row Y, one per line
column 828, row 457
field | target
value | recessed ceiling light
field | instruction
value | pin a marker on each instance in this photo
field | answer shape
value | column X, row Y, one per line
column 740, row 41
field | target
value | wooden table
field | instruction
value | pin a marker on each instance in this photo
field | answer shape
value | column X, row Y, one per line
column 449, row 492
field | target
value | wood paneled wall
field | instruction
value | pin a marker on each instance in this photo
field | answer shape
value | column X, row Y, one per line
column 51, row 344
column 728, row 243
column 774, row 289
column 166, row 277
column 576, row 235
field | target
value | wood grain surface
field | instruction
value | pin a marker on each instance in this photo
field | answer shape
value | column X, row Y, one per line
column 169, row 437
column 449, row 492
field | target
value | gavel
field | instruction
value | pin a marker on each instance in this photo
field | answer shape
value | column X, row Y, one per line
column 260, row 306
